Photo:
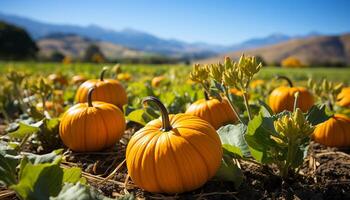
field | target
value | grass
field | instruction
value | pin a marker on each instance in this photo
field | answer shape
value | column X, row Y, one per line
column 300, row 74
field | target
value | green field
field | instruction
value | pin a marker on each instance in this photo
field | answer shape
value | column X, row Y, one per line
column 334, row 74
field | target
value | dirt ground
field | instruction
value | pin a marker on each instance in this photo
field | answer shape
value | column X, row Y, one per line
column 325, row 174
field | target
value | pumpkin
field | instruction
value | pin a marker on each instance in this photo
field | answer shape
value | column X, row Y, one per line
column 335, row 132
column 174, row 154
column 49, row 105
column 124, row 77
column 282, row 98
column 156, row 81
column 343, row 98
column 217, row 113
column 91, row 126
column 257, row 83
column 58, row 78
column 236, row 92
column 107, row 90
column 78, row 79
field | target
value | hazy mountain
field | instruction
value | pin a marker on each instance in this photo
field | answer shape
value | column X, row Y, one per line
column 141, row 41
column 128, row 37
column 319, row 50
column 75, row 46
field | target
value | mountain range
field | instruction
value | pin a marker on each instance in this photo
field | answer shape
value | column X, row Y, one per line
column 318, row 50
column 141, row 41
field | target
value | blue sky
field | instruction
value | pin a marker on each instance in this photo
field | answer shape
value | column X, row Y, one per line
column 215, row 21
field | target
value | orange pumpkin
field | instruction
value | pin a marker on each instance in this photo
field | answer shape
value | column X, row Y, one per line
column 282, row 98
column 156, row 81
column 91, row 126
column 58, row 78
column 107, row 90
column 257, row 83
column 217, row 113
column 78, row 79
column 236, row 92
column 335, row 132
column 49, row 105
column 343, row 98
column 124, row 77
column 174, row 154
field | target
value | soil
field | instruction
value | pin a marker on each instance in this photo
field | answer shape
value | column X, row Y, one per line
column 325, row 174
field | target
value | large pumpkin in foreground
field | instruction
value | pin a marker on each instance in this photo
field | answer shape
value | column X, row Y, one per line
column 282, row 98
column 335, row 132
column 343, row 98
column 175, row 154
column 217, row 113
column 91, row 126
column 107, row 90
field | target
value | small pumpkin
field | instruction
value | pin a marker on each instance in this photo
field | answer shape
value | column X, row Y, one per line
column 49, row 105
column 343, row 98
column 107, row 90
column 216, row 112
column 78, row 79
column 91, row 126
column 124, row 77
column 58, row 78
column 282, row 98
column 174, row 154
column 156, row 81
column 236, row 92
column 335, row 132
column 257, row 83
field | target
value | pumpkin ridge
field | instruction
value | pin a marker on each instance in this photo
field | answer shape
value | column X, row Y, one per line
column 105, row 127
column 198, row 152
column 175, row 159
column 210, row 114
column 154, row 161
column 343, row 129
column 211, row 136
column 84, row 140
column 145, row 145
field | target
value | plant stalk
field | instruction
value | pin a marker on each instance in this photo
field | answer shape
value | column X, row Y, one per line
column 233, row 106
column 245, row 97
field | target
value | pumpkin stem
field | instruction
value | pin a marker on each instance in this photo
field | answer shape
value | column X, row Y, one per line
column 89, row 97
column 206, row 96
column 103, row 73
column 165, row 115
column 290, row 83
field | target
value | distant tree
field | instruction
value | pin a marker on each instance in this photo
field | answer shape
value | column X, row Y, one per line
column 94, row 54
column 56, row 56
column 291, row 62
column 15, row 43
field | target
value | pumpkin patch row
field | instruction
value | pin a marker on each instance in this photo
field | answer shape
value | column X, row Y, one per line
column 187, row 146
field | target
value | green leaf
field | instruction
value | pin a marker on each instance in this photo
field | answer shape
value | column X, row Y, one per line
column 42, row 180
column 55, row 157
column 258, row 137
column 232, row 139
column 82, row 192
column 72, row 175
column 265, row 109
column 141, row 116
column 8, row 165
column 317, row 114
column 38, row 181
column 229, row 171
column 23, row 130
